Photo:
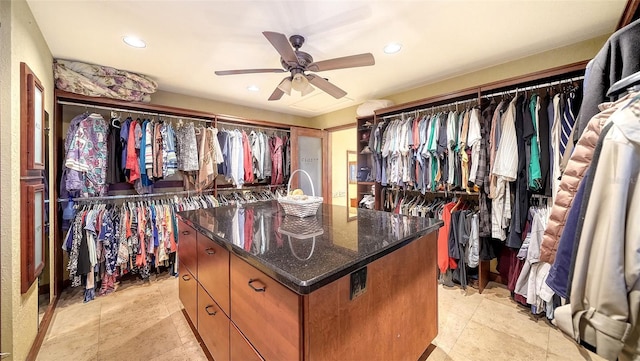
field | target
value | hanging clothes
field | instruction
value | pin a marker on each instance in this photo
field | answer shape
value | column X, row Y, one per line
column 133, row 151
column 108, row 241
column 604, row 281
column 87, row 156
column 505, row 169
column 531, row 281
column 187, row 149
column 277, row 173
column 114, row 151
column 169, row 158
column 617, row 59
column 573, row 175
column 247, row 158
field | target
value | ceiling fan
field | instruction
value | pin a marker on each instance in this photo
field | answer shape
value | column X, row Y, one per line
column 298, row 62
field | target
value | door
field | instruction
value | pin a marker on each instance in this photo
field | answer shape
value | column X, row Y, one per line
column 309, row 152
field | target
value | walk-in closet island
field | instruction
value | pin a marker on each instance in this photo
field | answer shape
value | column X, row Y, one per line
column 259, row 284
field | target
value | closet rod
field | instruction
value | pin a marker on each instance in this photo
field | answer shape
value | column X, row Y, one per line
column 122, row 110
column 252, row 126
column 161, row 115
column 136, row 196
column 430, row 108
column 533, row 87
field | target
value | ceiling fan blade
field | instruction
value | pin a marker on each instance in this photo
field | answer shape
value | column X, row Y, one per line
column 277, row 94
column 352, row 61
column 248, row 71
column 281, row 43
column 327, row 87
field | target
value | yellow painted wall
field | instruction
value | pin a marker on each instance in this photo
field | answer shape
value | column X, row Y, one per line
column 341, row 141
column 216, row 107
column 20, row 41
column 553, row 58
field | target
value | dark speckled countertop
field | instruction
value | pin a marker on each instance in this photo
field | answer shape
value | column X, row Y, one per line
column 284, row 247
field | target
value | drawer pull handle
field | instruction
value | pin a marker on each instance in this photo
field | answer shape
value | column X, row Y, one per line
column 260, row 289
column 209, row 312
column 210, row 251
column 186, row 277
column 185, row 233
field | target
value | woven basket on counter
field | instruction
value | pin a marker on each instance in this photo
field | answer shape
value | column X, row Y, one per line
column 300, row 206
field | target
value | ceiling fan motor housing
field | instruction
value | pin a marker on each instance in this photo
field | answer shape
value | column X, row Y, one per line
column 304, row 59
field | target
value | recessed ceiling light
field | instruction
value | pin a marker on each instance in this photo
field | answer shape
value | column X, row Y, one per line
column 253, row 88
column 392, row 48
column 135, row 42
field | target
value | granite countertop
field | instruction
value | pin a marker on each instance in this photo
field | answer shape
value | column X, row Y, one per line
column 284, row 246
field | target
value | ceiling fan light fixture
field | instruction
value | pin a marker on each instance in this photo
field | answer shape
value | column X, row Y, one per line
column 285, row 86
column 307, row 90
column 299, row 82
column 392, row 48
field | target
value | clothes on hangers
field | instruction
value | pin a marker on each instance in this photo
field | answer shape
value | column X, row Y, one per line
column 187, row 148
column 254, row 157
column 143, row 151
column 428, row 153
column 577, row 166
column 209, row 156
column 169, row 157
column 617, row 59
column 106, row 241
column 529, row 146
column 603, row 280
column 85, row 159
column 114, row 151
column 531, row 280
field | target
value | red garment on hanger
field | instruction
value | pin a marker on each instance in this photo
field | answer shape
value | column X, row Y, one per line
column 247, row 158
column 133, row 163
column 443, row 239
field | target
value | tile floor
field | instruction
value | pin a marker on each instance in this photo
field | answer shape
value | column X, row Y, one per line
column 144, row 322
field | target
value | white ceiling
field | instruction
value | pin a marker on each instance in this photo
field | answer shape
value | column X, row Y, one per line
column 188, row 40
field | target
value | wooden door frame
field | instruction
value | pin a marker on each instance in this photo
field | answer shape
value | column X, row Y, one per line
column 326, row 172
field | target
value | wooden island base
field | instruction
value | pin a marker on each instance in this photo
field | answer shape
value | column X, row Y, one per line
column 395, row 319
column 273, row 305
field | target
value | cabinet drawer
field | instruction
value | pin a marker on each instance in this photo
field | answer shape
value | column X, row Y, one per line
column 241, row 349
column 213, row 270
column 213, row 326
column 187, row 247
column 188, row 293
column 267, row 312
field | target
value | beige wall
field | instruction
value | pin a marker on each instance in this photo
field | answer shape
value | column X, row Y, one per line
column 20, row 41
column 216, row 107
column 553, row 58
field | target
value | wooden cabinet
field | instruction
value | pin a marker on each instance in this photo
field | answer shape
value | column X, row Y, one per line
column 267, row 312
column 241, row 349
column 204, row 288
column 187, row 247
column 213, row 326
column 213, row 271
column 395, row 319
column 188, row 293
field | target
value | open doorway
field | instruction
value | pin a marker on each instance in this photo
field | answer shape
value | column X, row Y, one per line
column 352, row 184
